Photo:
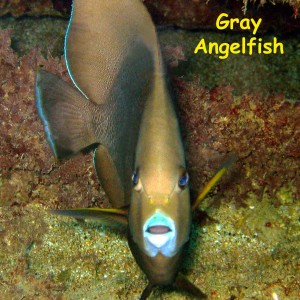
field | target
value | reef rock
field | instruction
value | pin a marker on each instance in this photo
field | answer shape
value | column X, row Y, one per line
column 191, row 14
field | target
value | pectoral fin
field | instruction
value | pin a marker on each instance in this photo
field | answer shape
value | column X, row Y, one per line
column 221, row 171
column 109, row 176
column 66, row 114
column 107, row 216
column 147, row 291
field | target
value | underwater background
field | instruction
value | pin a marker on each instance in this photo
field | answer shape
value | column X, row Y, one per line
column 245, row 242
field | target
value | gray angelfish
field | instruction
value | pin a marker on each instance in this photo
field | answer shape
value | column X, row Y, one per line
column 120, row 102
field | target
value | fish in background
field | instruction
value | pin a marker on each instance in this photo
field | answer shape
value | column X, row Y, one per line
column 120, row 102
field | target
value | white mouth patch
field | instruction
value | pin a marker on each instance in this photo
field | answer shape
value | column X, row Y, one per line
column 159, row 235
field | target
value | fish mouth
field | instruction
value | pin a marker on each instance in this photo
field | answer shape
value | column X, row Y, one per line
column 159, row 233
column 158, row 229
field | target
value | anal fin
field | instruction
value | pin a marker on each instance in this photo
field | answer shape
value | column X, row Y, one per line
column 66, row 114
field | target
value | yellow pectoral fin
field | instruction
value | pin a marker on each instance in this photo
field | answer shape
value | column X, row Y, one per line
column 221, row 171
column 107, row 216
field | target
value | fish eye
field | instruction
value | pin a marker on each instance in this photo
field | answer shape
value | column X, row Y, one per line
column 137, row 185
column 135, row 178
column 183, row 181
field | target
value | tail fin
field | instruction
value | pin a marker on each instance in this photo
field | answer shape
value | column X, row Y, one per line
column 66, row 114
column 147, row 291
column 183, row 283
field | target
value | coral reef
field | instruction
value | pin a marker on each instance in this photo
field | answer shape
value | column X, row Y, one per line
column 24, row 153
column 203, row 14
column 193, row 14
column 27, row 33
column 30, row 178
column 247, row 246
column 264, row 132
column 19, row 8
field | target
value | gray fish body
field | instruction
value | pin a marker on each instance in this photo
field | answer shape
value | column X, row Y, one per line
column 121, row 103
column 160, row 163
column 109, row 52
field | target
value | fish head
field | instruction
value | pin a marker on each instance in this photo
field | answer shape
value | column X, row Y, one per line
column 159, row 223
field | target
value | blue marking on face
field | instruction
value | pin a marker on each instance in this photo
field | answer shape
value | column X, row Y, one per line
column 44, row 120
column 164, row 243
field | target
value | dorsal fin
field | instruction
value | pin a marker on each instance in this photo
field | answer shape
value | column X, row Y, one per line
column 99, row 36
column 65, row 113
